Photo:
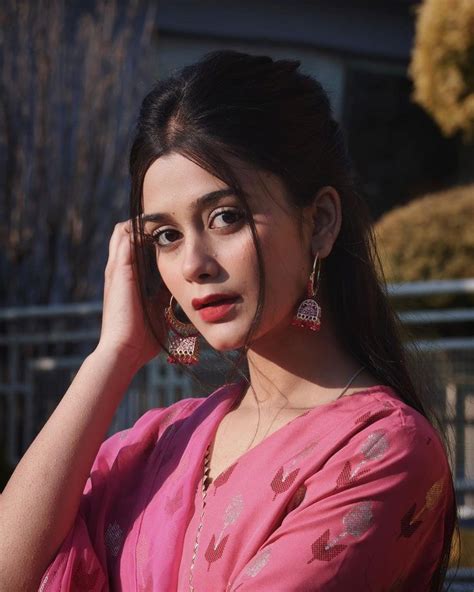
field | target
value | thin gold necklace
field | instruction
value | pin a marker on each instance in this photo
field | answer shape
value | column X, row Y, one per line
column 204, row 487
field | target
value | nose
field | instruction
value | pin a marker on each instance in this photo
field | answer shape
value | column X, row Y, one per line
column 198, row 261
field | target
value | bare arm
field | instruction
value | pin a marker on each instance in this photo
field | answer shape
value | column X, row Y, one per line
column 41, row 500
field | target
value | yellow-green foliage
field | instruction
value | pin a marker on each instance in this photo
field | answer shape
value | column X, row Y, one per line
column 432, row 237
column 442, row 64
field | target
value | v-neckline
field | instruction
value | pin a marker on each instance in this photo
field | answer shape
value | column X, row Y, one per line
column 238, row 392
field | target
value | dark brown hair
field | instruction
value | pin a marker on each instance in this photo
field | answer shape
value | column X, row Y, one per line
column 267, row 113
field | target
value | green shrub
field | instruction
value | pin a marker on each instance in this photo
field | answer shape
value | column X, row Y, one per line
column 442, row 64
column 430, row 238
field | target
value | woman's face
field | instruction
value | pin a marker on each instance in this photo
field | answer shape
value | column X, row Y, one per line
column 204, row 246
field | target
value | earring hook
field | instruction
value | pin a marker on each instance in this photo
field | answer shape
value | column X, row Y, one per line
column 311, row 284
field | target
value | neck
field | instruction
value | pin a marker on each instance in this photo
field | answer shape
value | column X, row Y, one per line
column 300, row 368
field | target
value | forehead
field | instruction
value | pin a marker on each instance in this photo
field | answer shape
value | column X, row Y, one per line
column 173, row 180
column 174, row 177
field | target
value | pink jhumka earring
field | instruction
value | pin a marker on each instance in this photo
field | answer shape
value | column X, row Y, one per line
column 184, row 345
column 309, row 311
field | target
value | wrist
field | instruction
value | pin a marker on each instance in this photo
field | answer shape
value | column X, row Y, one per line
column 125, row 361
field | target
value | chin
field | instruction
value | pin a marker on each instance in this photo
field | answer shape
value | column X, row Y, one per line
column 229, row 340
column 225, row 346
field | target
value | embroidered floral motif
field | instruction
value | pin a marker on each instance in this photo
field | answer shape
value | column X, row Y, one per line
column 223, row 477
column 323, row 550
column 407, row 524
column 375, row 446
column 113, row 538
column 258, row 562
column 410, row 522
column 253, row 568
column 213, row 551
column 301, row 455
column 347, row 475
column 281, row 483
column 356, row 521
column 370, row 417
column 232, row 512
column 433, row 496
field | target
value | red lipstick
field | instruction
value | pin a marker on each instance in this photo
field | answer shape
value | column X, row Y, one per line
column 214, row 306
column 200, row 302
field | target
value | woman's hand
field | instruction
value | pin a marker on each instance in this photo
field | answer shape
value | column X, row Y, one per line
column 124, row 330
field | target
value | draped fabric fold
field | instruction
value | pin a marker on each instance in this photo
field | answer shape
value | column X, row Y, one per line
column 353, row 494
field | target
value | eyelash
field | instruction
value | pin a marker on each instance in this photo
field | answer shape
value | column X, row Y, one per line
column 154, row 236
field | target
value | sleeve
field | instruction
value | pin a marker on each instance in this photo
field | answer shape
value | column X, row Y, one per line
column 373, row 518
column 80, row 563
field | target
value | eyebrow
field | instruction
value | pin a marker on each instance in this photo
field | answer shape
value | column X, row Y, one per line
column 205, row 200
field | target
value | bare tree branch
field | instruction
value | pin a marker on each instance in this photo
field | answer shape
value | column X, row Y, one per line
column 71, row 80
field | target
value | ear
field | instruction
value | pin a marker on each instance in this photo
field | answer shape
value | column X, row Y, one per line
column 326, row 217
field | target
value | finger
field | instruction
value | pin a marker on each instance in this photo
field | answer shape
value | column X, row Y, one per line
column 124, row 251
column 127, row 226
column 117, row 237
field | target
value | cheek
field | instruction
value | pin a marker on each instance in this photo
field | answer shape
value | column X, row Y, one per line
column 168, row 273
column 238, row 257
column 286, row 274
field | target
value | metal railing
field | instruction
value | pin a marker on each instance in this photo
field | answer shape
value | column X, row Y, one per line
column 41, row 348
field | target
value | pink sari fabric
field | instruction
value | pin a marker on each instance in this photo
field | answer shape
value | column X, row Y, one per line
column 351, row 495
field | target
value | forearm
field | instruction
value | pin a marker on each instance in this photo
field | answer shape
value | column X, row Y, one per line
column 41, row 499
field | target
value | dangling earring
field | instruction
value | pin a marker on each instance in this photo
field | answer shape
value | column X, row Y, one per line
column 184, row 346
column 309, row 311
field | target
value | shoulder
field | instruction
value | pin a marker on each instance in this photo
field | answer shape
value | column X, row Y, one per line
column 133, row 445
column 390, row 443
column 151, row 426
column 157, row 425
column 407, row 427
column 382, row 407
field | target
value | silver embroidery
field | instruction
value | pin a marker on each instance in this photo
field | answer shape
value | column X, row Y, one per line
column 113, row 538
column 287, row 468
column 231, row 513
column 358, row 519
column 258, row 563
column 233, row 510
column 375, row 446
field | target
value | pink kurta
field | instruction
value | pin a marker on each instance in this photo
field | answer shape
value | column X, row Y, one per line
column 351, row 495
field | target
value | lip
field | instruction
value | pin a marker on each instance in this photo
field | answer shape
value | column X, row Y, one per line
column 218, row 311
column 198, row 303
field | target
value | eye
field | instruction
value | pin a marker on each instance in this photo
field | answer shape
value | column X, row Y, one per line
column 228, row 216
column 165, row 237
column 157, row 236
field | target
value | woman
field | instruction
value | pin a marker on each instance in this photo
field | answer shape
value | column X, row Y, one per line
column 321, row 471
